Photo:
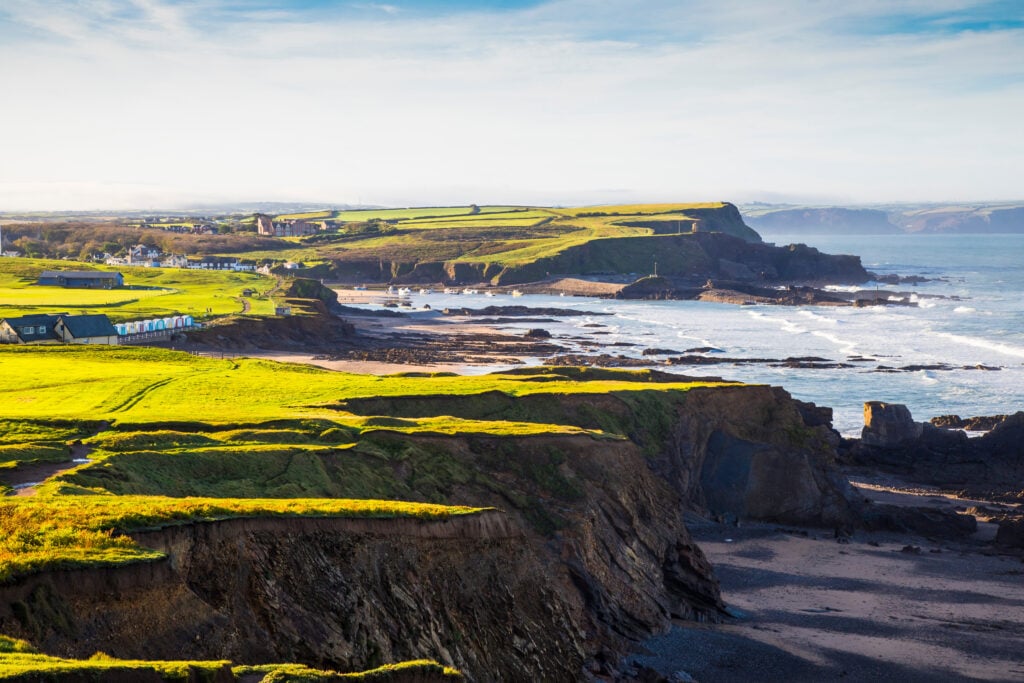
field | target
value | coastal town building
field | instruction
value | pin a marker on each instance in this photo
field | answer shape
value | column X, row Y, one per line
column 30, row 329
column 140, row 254
column 265, row 225
column 85, row 329
column 221, row 263
column 149, row 257
column 58, row 328
column 86, row 279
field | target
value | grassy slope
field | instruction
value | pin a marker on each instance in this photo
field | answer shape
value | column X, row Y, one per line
column 149, row 292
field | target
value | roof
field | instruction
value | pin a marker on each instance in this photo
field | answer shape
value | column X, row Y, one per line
column 34, row 321
column 95, row 325
column 219, row 259
column 79, row 274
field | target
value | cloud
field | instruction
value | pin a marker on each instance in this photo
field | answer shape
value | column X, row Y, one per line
column 664, row 100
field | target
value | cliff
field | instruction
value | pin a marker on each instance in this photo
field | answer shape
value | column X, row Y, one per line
column 693, row 242
column 591, row 553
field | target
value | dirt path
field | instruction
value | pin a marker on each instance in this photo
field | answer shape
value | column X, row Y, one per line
column 26, row 478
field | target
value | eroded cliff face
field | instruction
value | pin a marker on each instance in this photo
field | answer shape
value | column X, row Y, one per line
column 341, row 594
column 588, row 553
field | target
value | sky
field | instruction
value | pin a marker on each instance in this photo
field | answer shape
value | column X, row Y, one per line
column 148, row 104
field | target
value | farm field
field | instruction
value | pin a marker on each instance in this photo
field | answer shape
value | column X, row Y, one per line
column 149, row 292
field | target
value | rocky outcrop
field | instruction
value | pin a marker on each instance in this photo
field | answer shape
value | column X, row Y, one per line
column 1011, row 533
column 889, row 425
column 922, row 521
column 321, row 331
column 991, row 464
column 980, row 423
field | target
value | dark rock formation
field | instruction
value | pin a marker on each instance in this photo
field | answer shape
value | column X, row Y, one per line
column 991, row 464
column 981, row 423
column 922, row 521
column 332, row 593
column 887, row 425
column 1011, row 533
column 754, row 452
column 321, row 331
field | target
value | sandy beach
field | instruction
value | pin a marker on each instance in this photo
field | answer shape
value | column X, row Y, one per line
column 875, row 607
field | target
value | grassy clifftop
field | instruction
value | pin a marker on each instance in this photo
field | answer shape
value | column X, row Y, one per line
column 256, row 438
column 504, row 245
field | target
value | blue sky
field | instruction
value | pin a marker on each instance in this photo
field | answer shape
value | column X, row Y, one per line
column 157, row 103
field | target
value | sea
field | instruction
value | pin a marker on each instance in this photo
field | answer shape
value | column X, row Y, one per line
column 969, row 317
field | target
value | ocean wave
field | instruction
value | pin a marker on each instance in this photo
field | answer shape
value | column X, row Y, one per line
column 817, row 316
column 786, row 325
column 965, row 309
column 847, row 347
column 981, row 343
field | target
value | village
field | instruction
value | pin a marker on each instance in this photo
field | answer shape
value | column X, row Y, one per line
column 97, row 328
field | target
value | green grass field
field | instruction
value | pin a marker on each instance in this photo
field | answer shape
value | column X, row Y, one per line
column 148, row 292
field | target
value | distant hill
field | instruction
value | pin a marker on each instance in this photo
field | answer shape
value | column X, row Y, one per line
column 887, row 219
column 832, row 221
column 965, row 220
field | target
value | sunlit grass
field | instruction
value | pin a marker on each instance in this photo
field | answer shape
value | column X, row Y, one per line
column 51, row 530
column 152, row 385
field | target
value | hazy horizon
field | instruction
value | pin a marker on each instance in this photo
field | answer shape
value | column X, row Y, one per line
column 155, row 104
